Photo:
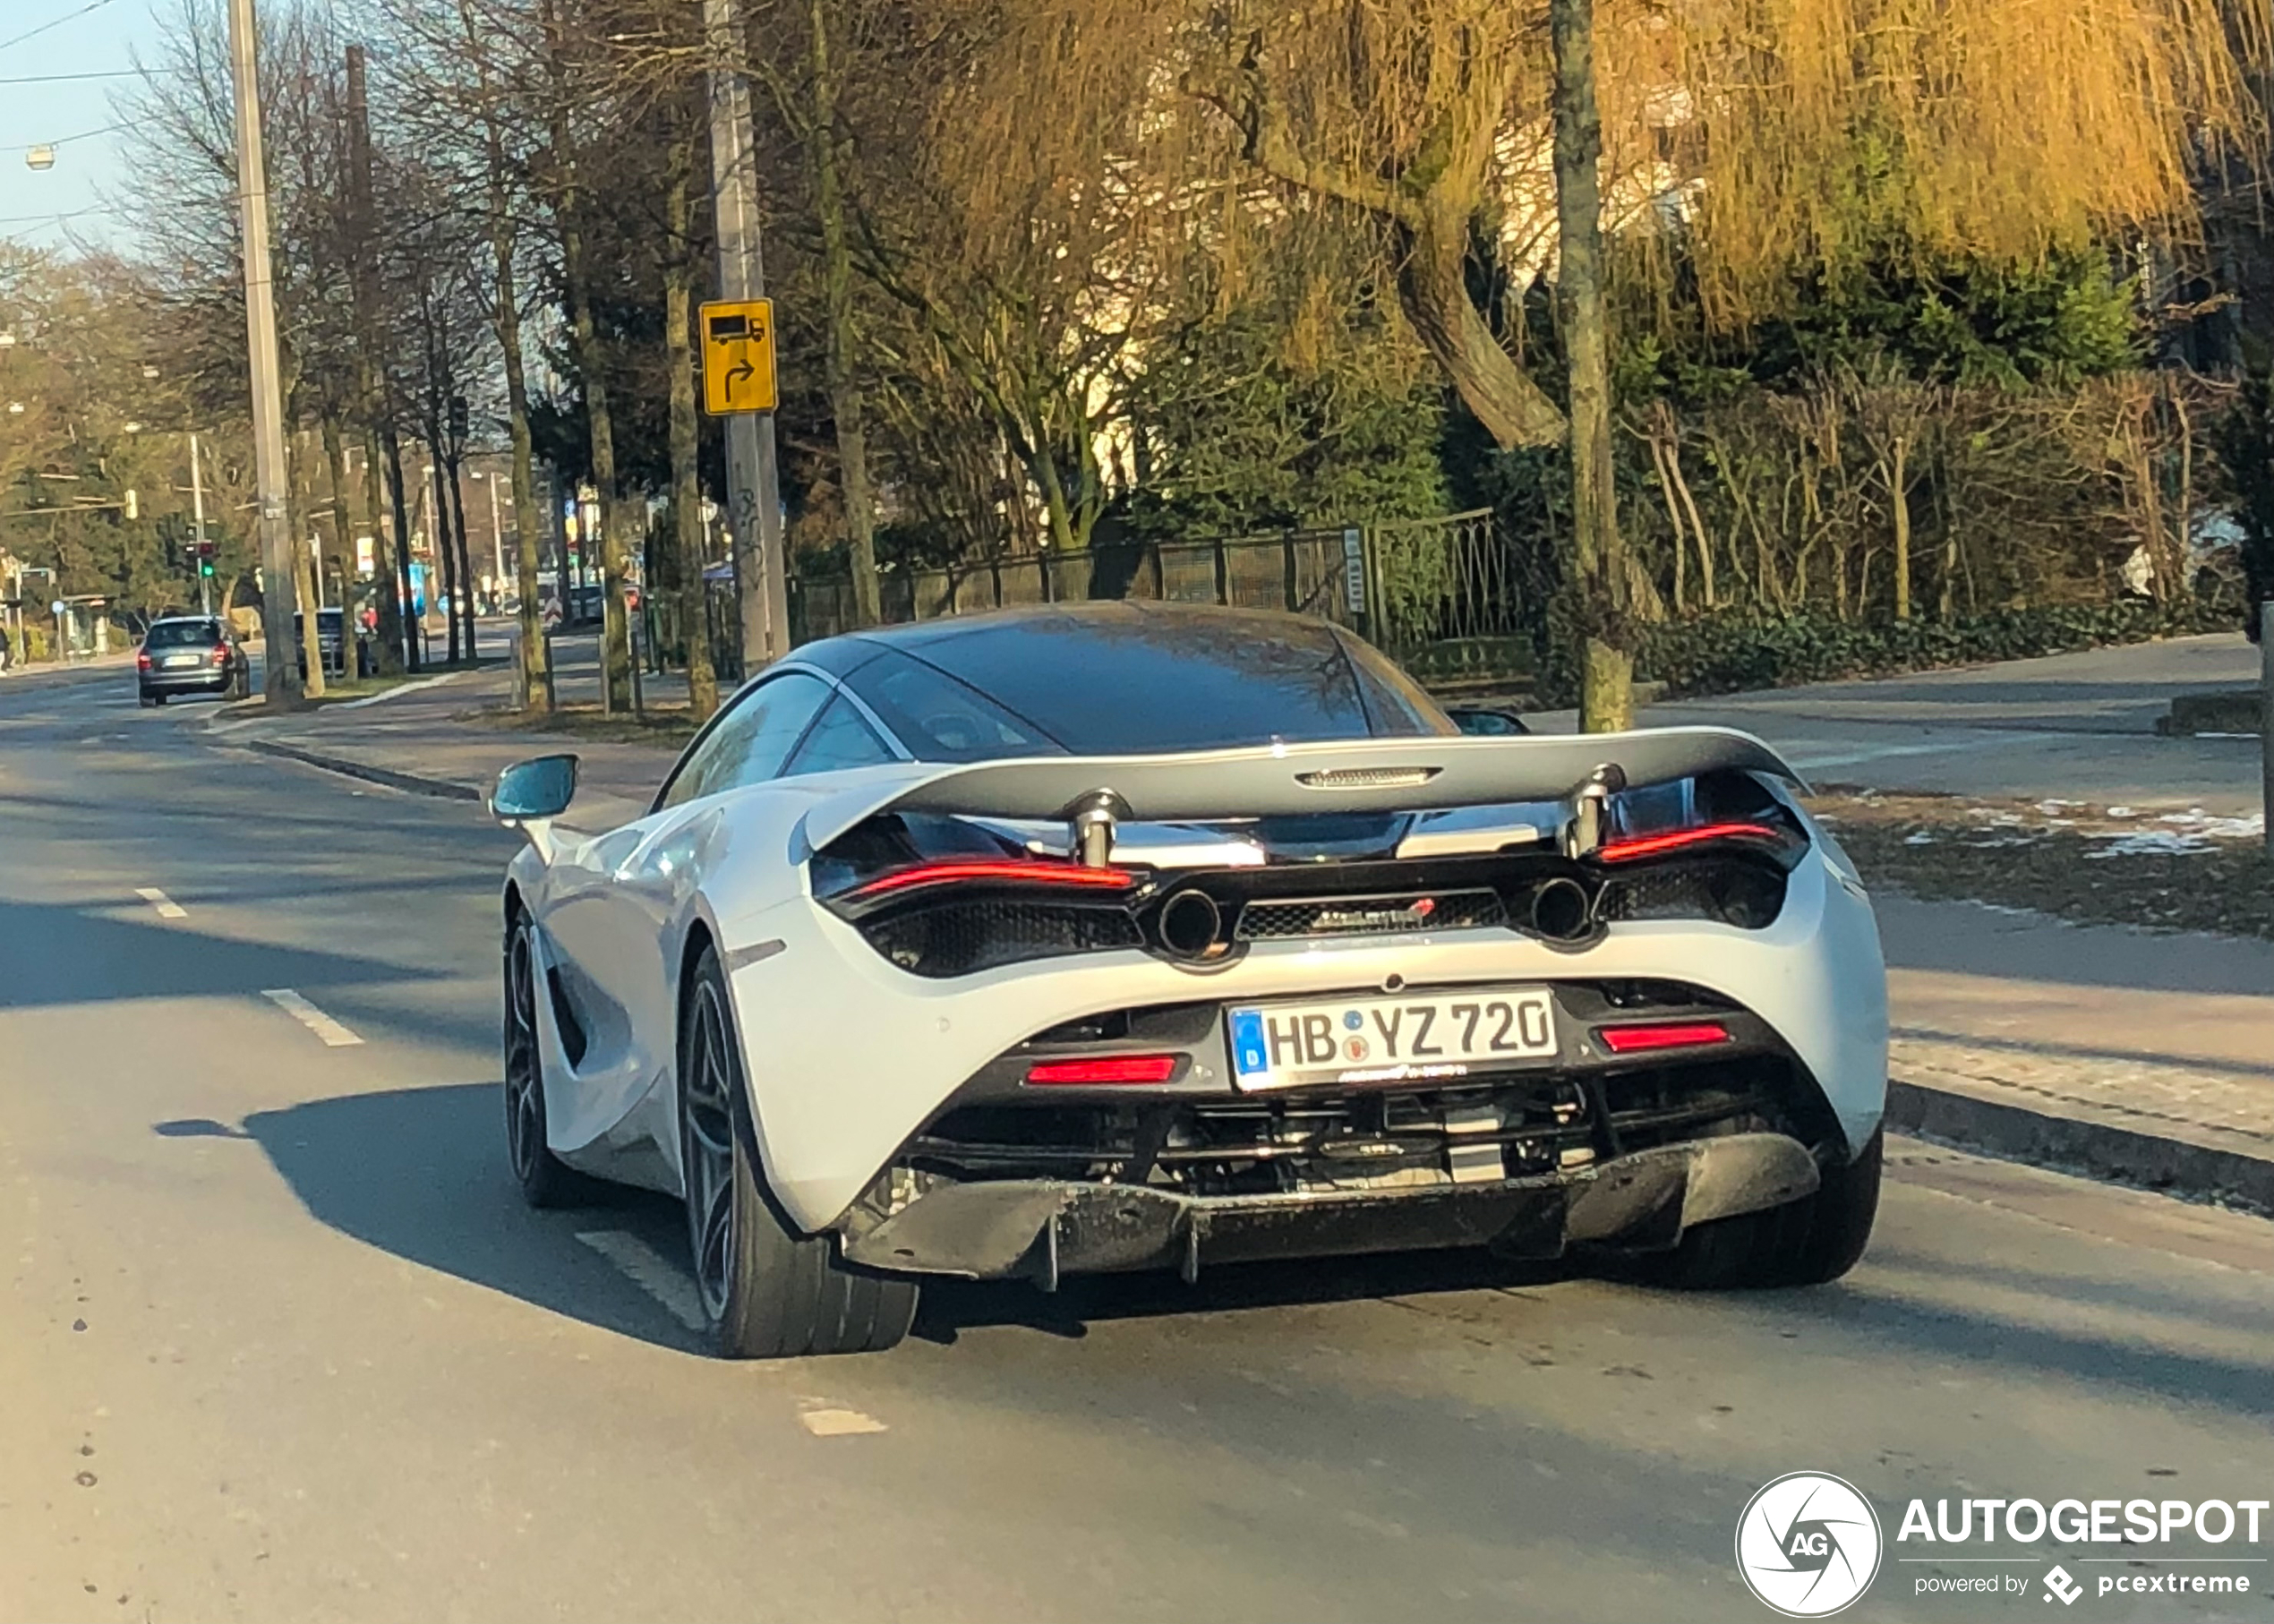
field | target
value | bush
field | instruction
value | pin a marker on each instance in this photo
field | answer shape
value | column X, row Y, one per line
column 1729, row 653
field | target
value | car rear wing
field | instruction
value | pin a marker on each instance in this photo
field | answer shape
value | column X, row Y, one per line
column 1417, row 774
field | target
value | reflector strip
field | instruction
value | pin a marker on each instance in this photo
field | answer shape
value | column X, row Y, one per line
column 1019, row 872
column 1676, row 840
column 1110, row 1069
column 1641, row 1039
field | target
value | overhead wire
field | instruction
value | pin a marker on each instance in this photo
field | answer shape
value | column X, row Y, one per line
column 55, row 22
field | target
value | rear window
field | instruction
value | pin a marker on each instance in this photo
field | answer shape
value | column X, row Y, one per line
column 1147, row 682
column 183, row 634
column 940, row 718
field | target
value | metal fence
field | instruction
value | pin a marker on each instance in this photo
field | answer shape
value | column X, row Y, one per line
column 1445, row 596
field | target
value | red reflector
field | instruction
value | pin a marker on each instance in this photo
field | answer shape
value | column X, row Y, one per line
column 1071, row 875
column 1115, row 1068
column 1677, row 840
column 1639, row 1039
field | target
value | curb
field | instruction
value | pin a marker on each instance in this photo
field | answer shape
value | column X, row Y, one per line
column 2121, row 1155
column 410, row 784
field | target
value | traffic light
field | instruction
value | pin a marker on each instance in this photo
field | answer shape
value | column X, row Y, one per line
column 205, row 551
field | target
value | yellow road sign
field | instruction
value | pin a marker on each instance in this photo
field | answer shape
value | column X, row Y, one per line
column 737, row 357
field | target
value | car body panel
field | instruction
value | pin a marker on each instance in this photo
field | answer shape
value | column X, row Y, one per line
column 847, row 1055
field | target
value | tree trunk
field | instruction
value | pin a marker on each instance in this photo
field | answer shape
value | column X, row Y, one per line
column 414, row 641
column 303, row 535
column 384, row 547
column 438, row 545
column 1432, row 285
column 343, row 517
column 1607, row 664
column 616, row 657
column 531, row 651
column 371, row 389
column 616, row 664
column 687, row 478
column 837, row 290
column 1899, row 507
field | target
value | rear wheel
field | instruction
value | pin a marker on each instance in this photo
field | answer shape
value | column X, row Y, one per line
column 766, row 1291
column 545, row 1180
column 1804, row 1243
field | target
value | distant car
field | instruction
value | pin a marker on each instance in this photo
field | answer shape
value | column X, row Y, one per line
column 1113, row 936
column 328, row 639
column 192, row 655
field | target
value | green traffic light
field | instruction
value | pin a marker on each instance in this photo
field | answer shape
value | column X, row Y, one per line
column 205, row 569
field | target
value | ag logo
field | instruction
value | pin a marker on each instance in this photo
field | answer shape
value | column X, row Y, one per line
column 1807, row 1544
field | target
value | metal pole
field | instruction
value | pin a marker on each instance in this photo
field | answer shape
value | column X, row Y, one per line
column 280, row 594
column 197, row 509
column 753, row 478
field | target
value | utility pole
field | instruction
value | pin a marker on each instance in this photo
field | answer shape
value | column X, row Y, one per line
column 280, row 597
column 753, row 475
column 197, row 511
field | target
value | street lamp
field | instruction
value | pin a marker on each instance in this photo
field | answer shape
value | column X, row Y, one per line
column 39, row 158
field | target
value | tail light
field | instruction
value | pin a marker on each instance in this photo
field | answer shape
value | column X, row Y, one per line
column 221, row 655
column 1662, row 1034
column 1108, row 1070
column 142, row 661
column 1037, row 872
column 1634, row 848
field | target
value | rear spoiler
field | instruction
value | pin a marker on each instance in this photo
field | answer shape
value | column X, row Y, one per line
column 1417, row 774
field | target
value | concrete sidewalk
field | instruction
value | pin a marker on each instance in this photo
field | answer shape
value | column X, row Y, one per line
column 2144, row 1056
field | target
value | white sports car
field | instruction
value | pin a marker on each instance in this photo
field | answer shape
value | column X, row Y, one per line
column 1129, row 936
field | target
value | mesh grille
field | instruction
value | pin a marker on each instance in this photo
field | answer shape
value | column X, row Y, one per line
column 1365, row 916
column 1744, row 894
column 972, row 936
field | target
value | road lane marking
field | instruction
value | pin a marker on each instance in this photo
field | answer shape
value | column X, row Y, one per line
column 1886, row 752
column 335, row 1036
column 838, row 1423
column 651, row 1271
column 167, row 908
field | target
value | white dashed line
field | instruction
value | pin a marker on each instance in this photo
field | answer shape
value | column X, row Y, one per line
column 838, row 1423
column 335, row 1036
column 167, row 908
column 651, row 1271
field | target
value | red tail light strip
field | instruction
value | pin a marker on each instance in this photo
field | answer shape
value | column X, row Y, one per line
column 1678, row 840
column 1112, row 1069
column 1643, row 1039
column 1071, row 876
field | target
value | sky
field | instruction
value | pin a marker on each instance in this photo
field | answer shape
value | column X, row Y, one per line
column 74, row 37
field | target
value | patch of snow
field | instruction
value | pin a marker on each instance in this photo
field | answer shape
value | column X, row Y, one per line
column 2122, row 812
column 2152, row 842
column 1919, row 837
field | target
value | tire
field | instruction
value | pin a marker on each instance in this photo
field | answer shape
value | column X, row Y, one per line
column 1809, row 1242
column 766, row 1291
column 158, row 699
column 145, row 700
column 545, row 1180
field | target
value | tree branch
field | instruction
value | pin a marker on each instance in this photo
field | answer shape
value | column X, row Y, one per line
column 1244, row 95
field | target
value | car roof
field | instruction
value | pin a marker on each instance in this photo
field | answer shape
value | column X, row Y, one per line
column 1194, row 629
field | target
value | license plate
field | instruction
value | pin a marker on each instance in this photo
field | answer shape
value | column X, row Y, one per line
column 171, row 660
column 1390, row 1039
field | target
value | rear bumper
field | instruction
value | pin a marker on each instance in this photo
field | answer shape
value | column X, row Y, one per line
column 206, row 679
column 1041, row 1229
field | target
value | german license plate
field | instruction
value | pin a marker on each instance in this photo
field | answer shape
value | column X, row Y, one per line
column 1410, row 1038
column 171, row 660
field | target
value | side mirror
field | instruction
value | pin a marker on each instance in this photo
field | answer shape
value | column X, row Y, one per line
column 1488, row 723
column 531, row 791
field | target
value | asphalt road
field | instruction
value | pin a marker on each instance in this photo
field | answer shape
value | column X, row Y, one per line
column 278, row 1341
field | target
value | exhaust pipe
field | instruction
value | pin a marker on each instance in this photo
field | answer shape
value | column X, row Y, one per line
column 1190, row 925
column 1562, row 911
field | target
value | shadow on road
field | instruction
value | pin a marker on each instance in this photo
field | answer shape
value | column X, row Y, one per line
column 52, row 955
column 421, row 1174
